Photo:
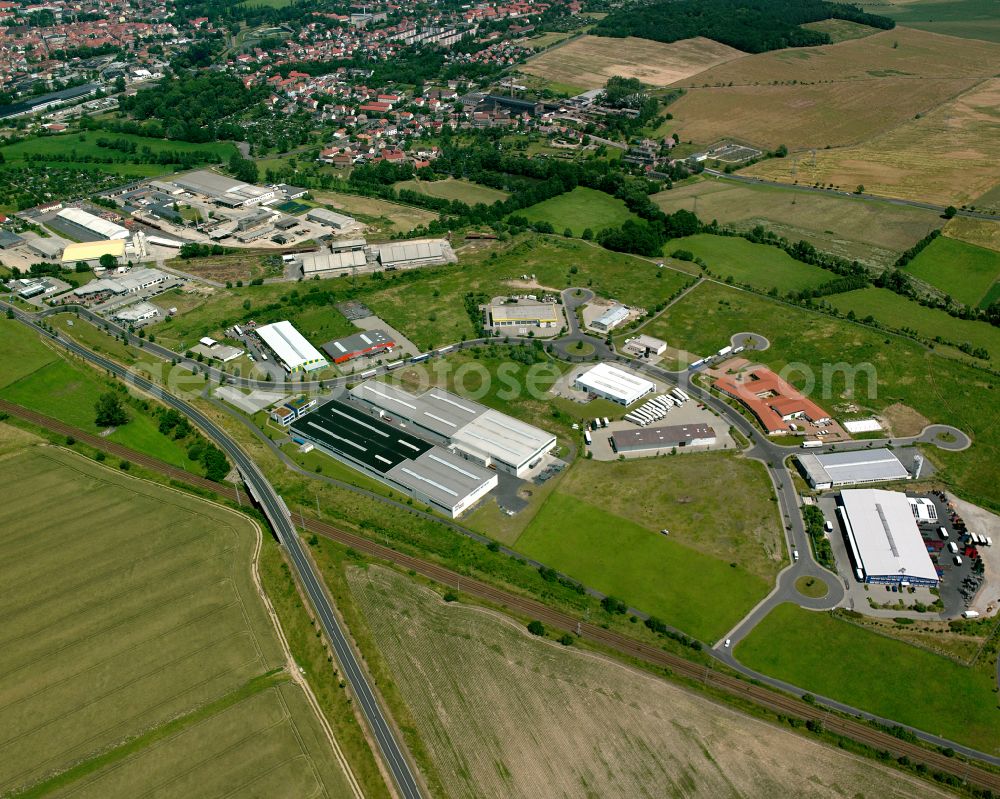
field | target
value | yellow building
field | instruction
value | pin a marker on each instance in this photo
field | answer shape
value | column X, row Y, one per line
column 524, row 314
column 91, row 251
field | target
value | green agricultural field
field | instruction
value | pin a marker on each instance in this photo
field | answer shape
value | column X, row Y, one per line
column 837, row 659
column 714, row 503
column 758, row 265
column 898, row 312
column 451, row 189
column 970, row 19
column 67, row 391
column 21, row 352
column 154, row 666
column 578, row 210
column 80, row 146
column 691, row 590
column 965, row 271
column 907, row 376
column 872, row 232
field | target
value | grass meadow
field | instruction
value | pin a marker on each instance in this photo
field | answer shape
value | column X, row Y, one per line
column 578, row 210
column 84, row 144
column 840, row 660
column 871, row 232
column 137, row 654
column 691, row 590
column 759, row 265
column 451, row 189
column 972, row 19
column 940, row 388
column 898, row 312
column 965, row 271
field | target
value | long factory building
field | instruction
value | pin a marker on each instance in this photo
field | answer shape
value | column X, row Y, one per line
column 428, row 473
column 471, row 430
column 883, row 538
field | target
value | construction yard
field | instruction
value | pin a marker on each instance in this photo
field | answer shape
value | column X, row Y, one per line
column 503, row 712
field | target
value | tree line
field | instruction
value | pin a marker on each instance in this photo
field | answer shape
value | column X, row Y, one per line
column 754, row 26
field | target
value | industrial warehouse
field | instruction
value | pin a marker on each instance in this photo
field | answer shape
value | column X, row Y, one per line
column 654, row 439
column 90, row 225
column 222, row 190
column 428, row 473
column 291, row 348
column 358, row 345
column 614, row 384
column 835, row 469
column 343, row 256
column 883, row 539
column 411, row 254
column 523, row 314
column 473, row 431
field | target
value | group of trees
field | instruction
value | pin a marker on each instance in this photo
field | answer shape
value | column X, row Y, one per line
column 193, row 108
column 754, row 26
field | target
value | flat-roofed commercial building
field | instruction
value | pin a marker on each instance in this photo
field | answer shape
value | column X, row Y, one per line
column 367, row 343
column 93, row 223
column 855, row 467
column 411, row 254
column 883, row 538
column 644, row 346
column 223, row 190
column 330, row 264
column 614, row 384
column 291, row 348
column 651, row 439
column 524, row 314
column 137, row 312
column 471, row 430
column 90, row 252
column 428, row 473
column 611, row 318
column 331, row 219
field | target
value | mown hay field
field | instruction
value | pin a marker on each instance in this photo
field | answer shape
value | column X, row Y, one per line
column 451, row 189
column 833, row 95
column 504, row 714
column 589, row 61
column 136, row 653
column 947, row 157
column 870, row 232
column 966, row 271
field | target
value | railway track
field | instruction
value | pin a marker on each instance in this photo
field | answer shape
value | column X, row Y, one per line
column 765, row 697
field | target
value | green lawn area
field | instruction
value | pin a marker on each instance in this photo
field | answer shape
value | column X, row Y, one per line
column 865, row 230
column 429, row 306
column 451, row 189
column 82, row 145
column 21, row 352
column 711, row 502
column 899, row 312
column 971, row 19
column 758, row 265
column 940, row 388
column 698, row 593
column 36, row 377
column 964, row 271
column 580, row 209
column 839, row 660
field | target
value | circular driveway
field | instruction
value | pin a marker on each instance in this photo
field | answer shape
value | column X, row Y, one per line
column 750, row 341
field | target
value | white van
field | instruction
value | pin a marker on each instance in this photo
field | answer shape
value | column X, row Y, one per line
column 943, row 533
column 958, row 560
column 952, row 547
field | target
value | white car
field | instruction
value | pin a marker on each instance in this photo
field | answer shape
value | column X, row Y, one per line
column 728, row 643
column 795, row 555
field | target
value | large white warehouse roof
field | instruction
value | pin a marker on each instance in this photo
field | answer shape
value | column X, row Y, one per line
column 94, row 223
column 884, row 537
column 291, row 347
column 615, row 384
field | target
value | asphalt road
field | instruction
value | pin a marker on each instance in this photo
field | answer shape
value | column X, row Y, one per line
column 278, row 516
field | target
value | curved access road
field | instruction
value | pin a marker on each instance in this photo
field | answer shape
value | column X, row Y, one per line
column 277, row 515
